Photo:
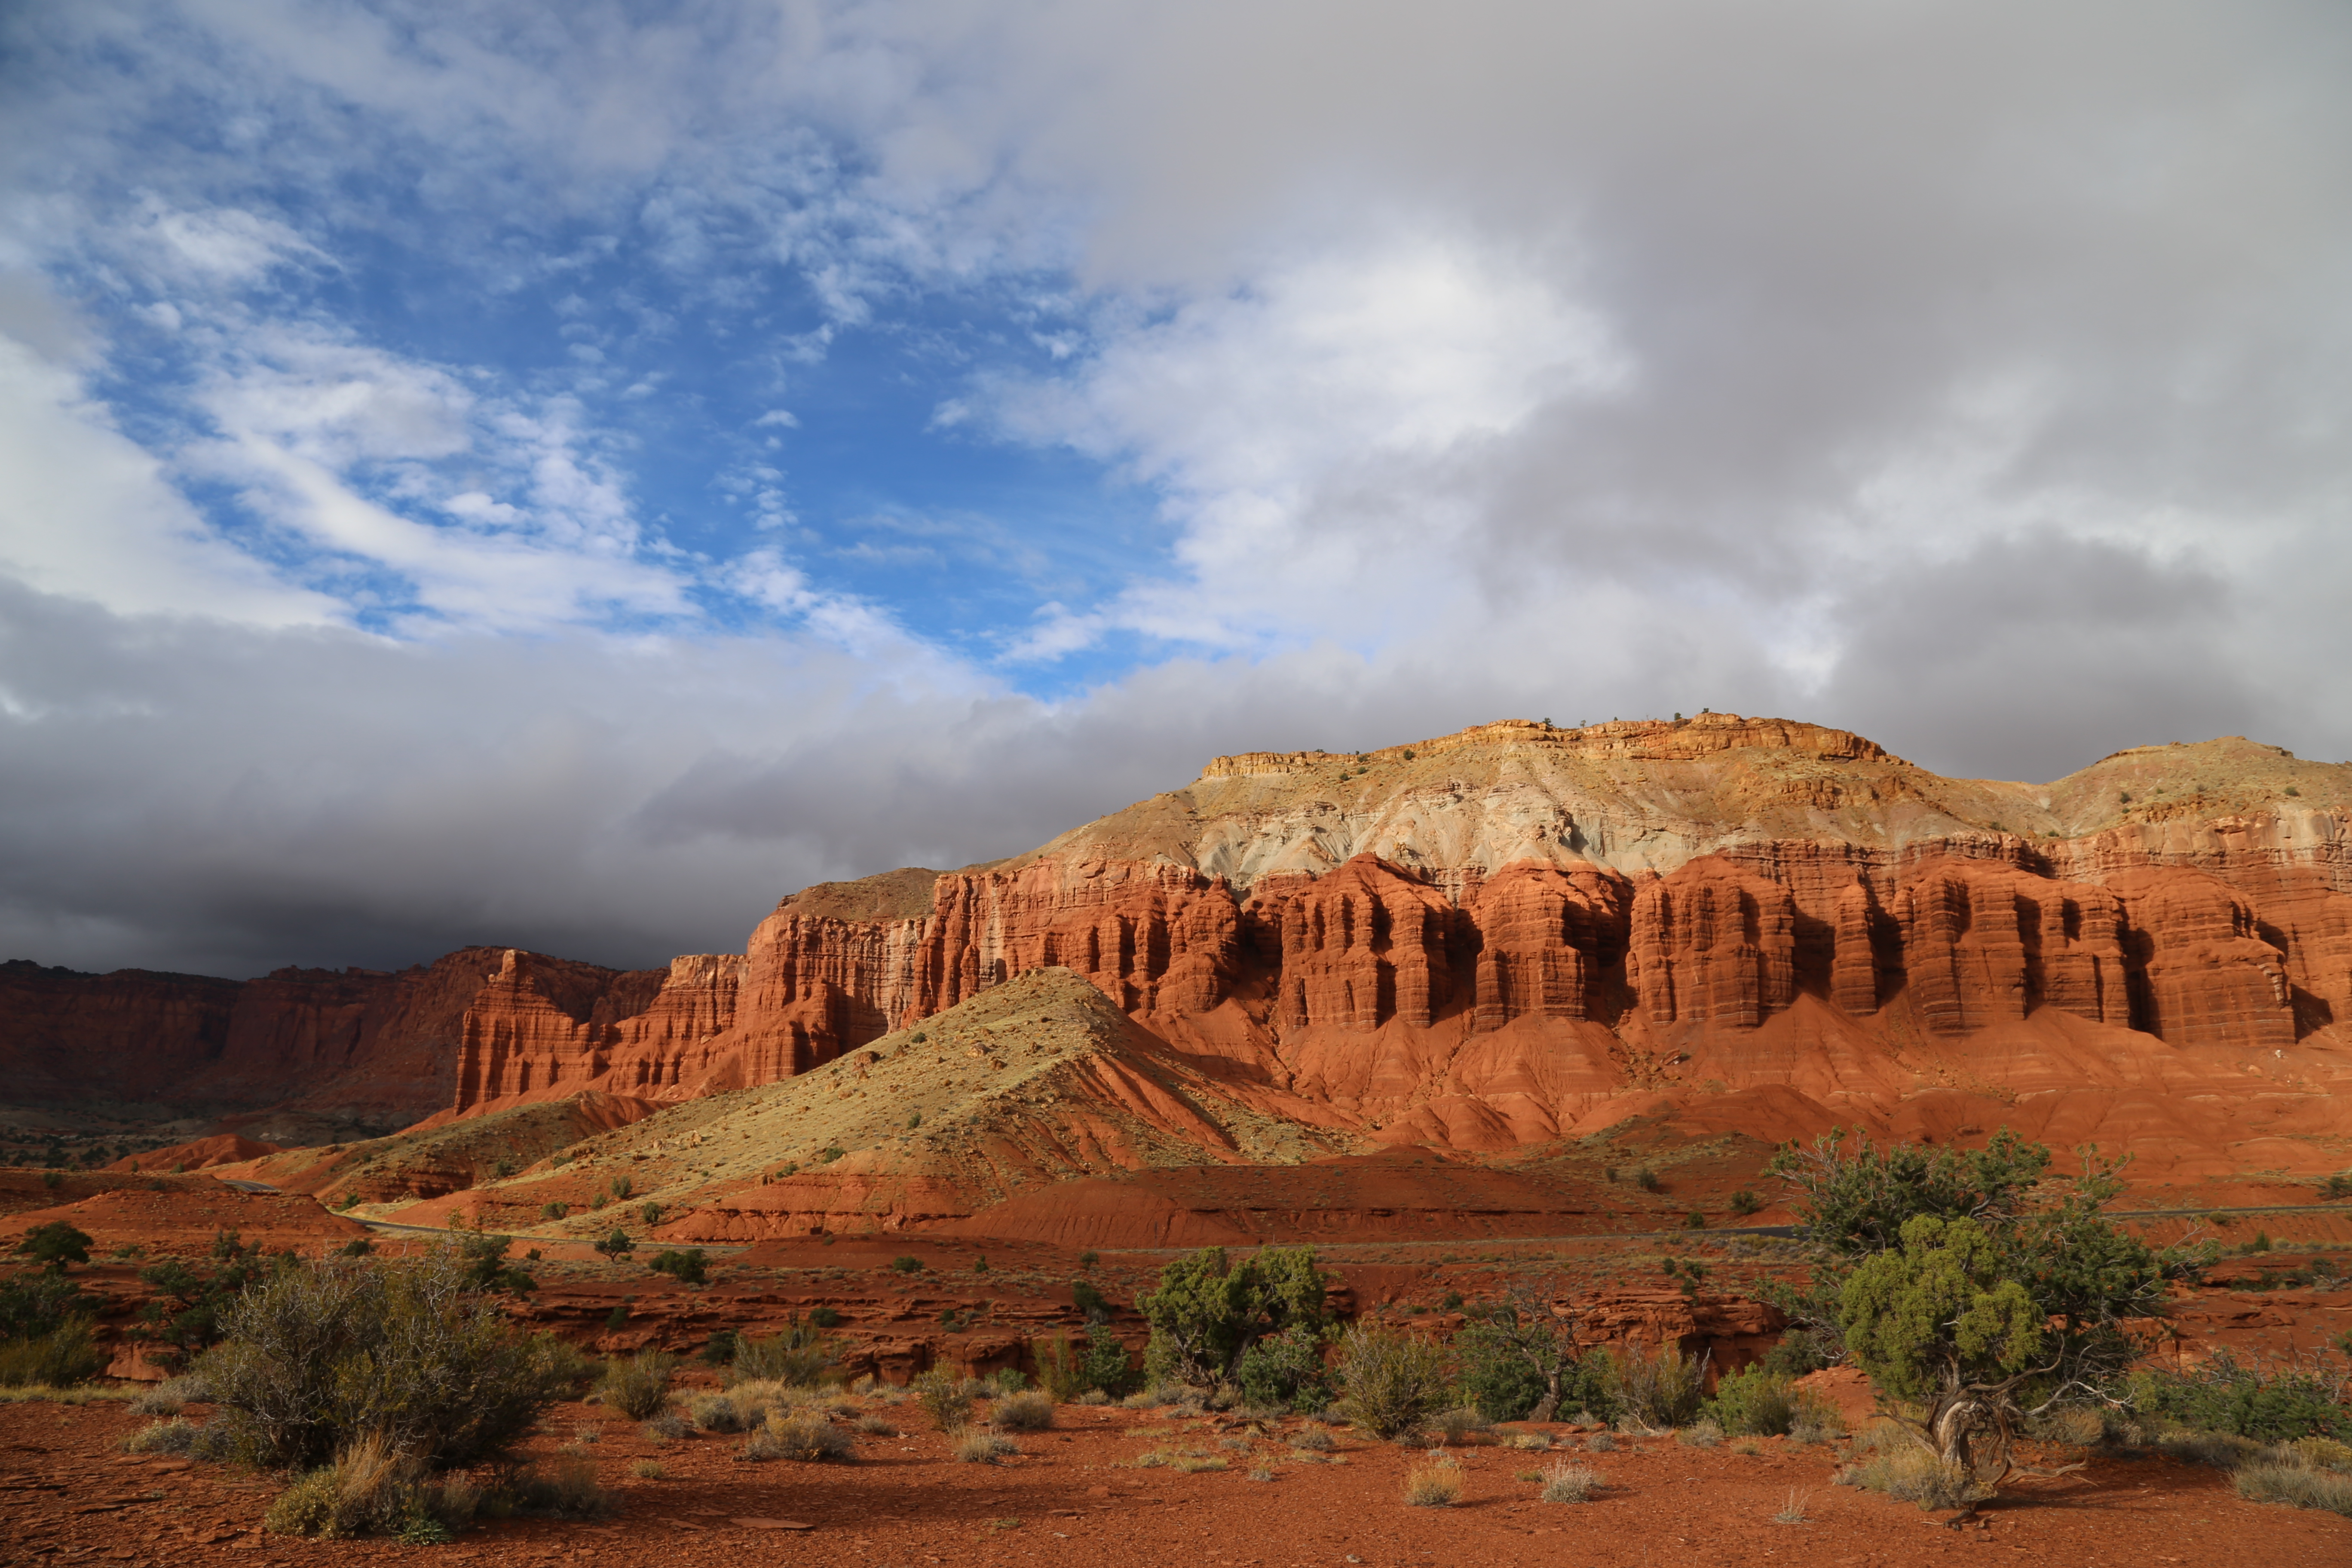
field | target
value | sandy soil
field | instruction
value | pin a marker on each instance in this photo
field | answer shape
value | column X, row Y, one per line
column 1076, row 1495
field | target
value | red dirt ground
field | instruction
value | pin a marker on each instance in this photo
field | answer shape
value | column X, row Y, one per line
column 1075, row 1496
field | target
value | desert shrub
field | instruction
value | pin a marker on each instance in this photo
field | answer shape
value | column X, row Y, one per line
column 2298, row 1485
column 1209, row 1312
column 1656, row 1389
column 808, row 1437
column 44, row 1338
column 688, row 1267
column 1601, row 1443
column 716, row 1413
column 167, row 1398
column 944, row 1398
column 666, row 1428
column 1517, row 1356
column 1745, row 1203
column 2223, row 1450
column 905, row 1264
column 1285, row 1370
column 1753, row 1403
column 58, row 1358
column 1566, row 1481
column 1911, row 1473
column 1700, row 1434
column 798, row 1354
column 372, row 1488
column 321, row 1353
column 554, row 1211
column 1392, row 1379
column 1799, row 1352
column 876, row 1427
column 55, row 1243
column 1061, row 1371
column 2076, row 1426
column 486, row 1265
column 1461, row 1424
column 1437, row 1484
column 1312, row 1439
column 1107, row 1367
column 189, row 1308
column 176, row 1435
column 1032, row 1411
column 2269, row 1401
column 648, row 1470
column 719, row 1349
column 565, row 1490
column 973, row 1447
column 639, row 1387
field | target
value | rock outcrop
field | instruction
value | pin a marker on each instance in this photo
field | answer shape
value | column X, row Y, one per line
column 1489, row 940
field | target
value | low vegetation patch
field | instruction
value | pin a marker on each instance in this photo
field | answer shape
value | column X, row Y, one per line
column 1564, row 1480
column 1437, row 1484
column 640, row 1386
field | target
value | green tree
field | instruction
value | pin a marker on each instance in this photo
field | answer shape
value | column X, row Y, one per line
column 1936, row 1322
column 1209, row 1312
column 1518, row 1354
column 616, row 1246
column 55, row 1243
column 688, row 1267
column 1972, row 1290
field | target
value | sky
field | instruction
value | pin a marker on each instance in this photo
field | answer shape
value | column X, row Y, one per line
column 569, row 476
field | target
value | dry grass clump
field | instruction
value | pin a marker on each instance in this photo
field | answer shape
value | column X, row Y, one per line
column 667, row 1427
column 1700, row 1434
column 1601, row 1443
column 640, row 1386
column 176, row 1435
column 373, row 1489
column 2223, row 1450
column 647, row 1470
column 976, row 1448
column 167, row 1398
column 1194, row 1463
column 1437, row 1484
column 798, row 1356
column 1564, row 1480
column 1529, row 1442
column 1793, row 1511
column 1914, row 1474
column 1032, row 1411
column 1314, row 1439
column 809, row 1438
column 1261, row 1474
column 2297, row 1484
column 876, row 1427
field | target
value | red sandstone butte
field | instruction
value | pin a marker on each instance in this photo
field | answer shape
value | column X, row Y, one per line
column 1484, row 940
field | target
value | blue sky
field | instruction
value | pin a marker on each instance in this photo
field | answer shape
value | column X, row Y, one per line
column 570, row 475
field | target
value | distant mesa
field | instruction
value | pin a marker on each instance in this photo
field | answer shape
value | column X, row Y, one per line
column 1480, row 944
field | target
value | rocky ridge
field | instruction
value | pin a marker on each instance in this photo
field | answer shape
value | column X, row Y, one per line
column 1522, row 932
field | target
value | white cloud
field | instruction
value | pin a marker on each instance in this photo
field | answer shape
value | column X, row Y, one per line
column 87, row 514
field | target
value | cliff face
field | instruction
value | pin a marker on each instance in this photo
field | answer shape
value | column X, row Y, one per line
column 1486, row 940
column 1496, row 937
column 354, row 1044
